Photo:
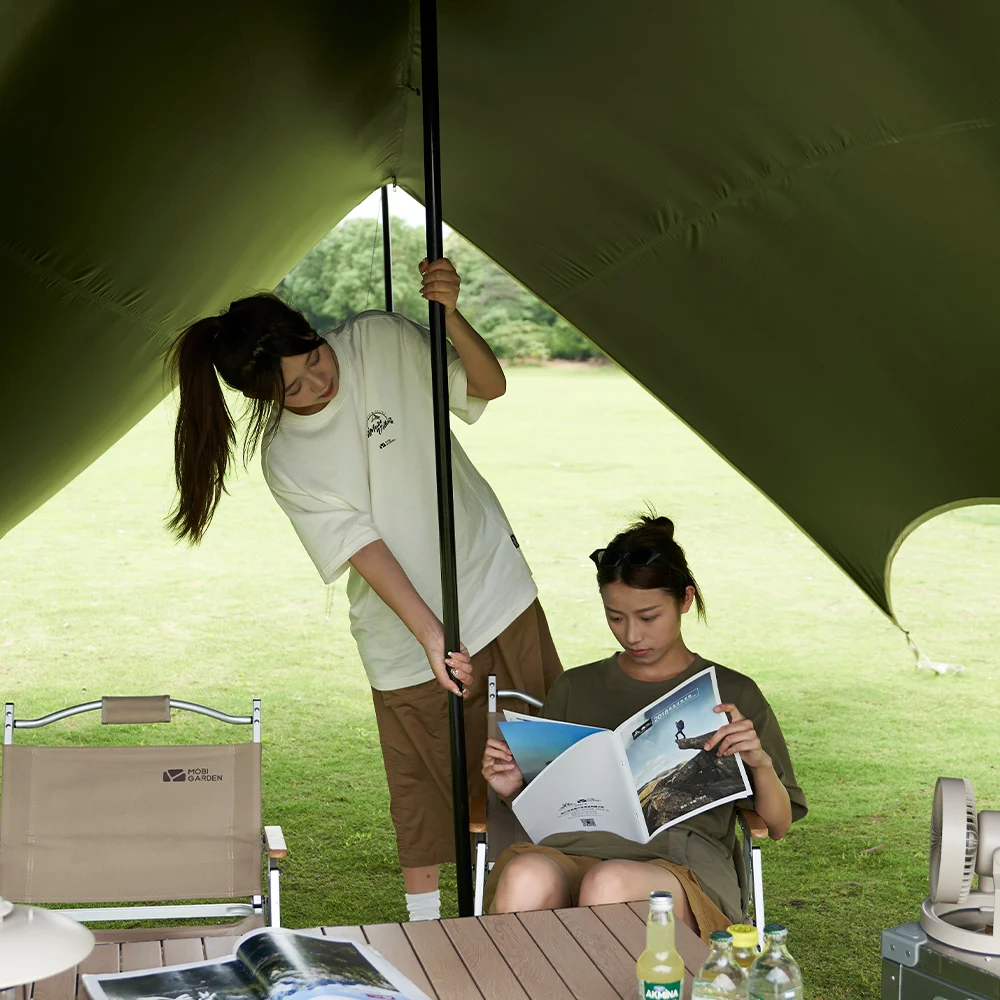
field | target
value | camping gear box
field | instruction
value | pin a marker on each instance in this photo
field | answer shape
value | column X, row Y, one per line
column 915, row 967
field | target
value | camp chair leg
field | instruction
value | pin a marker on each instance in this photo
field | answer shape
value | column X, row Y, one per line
column 756, row 874
column 477, row 909
column 273, row 893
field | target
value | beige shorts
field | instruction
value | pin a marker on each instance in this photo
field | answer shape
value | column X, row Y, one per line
column 413, row 731
column 574, row 866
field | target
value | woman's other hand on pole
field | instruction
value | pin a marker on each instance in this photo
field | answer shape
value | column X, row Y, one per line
column 451, row 667
column 440, row 283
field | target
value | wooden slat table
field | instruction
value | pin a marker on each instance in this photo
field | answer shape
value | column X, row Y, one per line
column 574, row 954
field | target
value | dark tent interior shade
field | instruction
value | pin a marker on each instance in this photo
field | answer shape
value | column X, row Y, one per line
column 784, row 220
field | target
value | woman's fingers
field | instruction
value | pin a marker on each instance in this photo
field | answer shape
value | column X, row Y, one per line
column 741, row 742
column 441, row 264
column 727, row 706
column 460, row 667
column 439, row 291
column 494, row 768
column 731, row 727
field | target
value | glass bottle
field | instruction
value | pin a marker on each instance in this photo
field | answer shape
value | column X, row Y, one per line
column 659, row 972
column 745, row 943
column 721, row 977
column 774, row 974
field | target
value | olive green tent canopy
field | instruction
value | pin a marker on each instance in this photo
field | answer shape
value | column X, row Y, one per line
column 783, row 218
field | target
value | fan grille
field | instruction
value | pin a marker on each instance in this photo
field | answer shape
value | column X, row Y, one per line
column 954, row 840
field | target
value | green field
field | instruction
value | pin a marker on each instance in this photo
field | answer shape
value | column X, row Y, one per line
column 95, row 599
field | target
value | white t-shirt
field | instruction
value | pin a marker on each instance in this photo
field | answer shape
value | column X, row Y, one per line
column 362, row 468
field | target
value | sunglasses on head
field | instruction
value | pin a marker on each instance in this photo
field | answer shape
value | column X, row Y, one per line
column 635, row 557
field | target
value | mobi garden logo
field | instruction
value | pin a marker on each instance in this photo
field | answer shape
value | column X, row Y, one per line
column 190, row 774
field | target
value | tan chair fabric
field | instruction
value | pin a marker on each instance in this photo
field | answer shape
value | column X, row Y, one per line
column 130, row 824
column 127, row 711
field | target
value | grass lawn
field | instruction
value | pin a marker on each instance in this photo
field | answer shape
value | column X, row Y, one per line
column 96, row 599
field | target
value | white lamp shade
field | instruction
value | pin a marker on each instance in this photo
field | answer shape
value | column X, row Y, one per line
column 37, row 943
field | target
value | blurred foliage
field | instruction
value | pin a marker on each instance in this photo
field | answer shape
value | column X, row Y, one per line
column 342, row 276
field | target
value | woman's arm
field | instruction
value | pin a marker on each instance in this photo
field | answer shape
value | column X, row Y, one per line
column 770, row 797
column 486, row 379
column 386, row 577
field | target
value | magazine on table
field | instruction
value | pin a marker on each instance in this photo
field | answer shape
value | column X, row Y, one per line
column 268, row 964
column 649, row 774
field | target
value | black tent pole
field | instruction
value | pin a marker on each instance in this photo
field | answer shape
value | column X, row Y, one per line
column 386, row 249
column 442, row 445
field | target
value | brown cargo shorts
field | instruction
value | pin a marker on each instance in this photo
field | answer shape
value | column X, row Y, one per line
column 413, row 731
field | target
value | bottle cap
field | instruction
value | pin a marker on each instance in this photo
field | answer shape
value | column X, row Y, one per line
column 744, row 935
column 661, row 901
column 775, row 930
column 721, row 937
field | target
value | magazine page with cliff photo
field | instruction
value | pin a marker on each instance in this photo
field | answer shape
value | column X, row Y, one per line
column 649, row 774
column 268, row 964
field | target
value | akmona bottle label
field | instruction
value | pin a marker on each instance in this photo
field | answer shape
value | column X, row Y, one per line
column 659, row 991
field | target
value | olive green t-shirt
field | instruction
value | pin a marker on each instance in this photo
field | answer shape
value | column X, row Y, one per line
column 602, row 694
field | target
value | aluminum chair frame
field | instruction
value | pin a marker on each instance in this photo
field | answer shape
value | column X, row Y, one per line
column 268, row 906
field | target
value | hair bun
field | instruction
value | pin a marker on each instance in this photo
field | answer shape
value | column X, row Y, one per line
column 663, row 524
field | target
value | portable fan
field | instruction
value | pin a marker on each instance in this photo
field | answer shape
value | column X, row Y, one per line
column 962, row 845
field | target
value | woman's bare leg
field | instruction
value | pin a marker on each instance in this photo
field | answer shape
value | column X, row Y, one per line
column 625, row 881
column 530, row 882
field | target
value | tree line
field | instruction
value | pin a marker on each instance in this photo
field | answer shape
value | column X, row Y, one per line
column 342, row 276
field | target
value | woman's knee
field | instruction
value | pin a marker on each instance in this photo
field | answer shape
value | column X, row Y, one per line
column 606, row 882
column 530, row 882
column 626, row 881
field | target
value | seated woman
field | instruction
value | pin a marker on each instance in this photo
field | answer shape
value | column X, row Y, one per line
column 646, row 588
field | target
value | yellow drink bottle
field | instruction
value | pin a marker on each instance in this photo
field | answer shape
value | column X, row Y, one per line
column 745, row 943
column 659, row 972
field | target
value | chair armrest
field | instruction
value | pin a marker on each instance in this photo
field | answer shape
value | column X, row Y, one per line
column 754, row 824
column 477, row 814
column 274, row 842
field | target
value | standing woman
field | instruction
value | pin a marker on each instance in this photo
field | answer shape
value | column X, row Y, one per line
column 345, row 424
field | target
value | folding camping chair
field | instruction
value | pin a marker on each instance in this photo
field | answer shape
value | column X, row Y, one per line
column 495, row 827
column 131, row 824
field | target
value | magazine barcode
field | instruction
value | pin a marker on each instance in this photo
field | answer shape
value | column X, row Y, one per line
column 588, row 821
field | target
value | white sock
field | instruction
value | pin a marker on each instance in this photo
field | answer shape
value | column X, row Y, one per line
column 424, row 905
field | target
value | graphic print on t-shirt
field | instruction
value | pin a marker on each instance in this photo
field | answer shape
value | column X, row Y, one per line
column 378, row 422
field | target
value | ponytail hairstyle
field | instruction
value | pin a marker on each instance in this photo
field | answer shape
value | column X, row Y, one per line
column 243, row 346
column 668, row 571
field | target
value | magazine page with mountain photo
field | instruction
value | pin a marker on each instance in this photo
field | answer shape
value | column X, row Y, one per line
column 673, row 775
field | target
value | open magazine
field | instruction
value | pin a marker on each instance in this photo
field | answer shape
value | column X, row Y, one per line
column 268, row 964
column 648, row 774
